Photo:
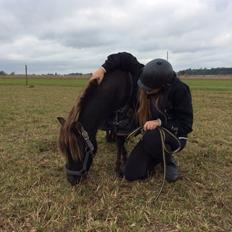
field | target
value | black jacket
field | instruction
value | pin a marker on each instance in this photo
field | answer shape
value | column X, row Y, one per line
column 177, row 112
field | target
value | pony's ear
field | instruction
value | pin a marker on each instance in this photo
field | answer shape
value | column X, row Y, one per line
column 61, row 120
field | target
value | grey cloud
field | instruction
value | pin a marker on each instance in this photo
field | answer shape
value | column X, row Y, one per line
column 78, row 35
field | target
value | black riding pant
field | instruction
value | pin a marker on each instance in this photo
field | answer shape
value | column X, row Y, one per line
column 148, row 153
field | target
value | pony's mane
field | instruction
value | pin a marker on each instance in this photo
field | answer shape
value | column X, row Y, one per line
column 84, row 97
column 67, row 138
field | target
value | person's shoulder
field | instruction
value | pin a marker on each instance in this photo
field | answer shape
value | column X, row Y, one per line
column 180, row 85
column 180, row 89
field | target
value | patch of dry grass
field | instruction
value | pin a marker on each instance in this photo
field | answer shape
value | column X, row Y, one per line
column 34, row 194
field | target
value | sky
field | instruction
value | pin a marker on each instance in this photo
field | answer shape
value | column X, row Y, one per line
column 77, row 36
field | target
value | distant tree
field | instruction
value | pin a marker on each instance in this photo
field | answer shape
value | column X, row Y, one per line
column 2, row 73
column 12, row 73
column 205, row 71
column 75, row 74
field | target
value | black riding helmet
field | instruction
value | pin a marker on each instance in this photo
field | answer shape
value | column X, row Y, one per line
column 157, row 73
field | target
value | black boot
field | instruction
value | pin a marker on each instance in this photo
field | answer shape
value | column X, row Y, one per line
column 172, row 173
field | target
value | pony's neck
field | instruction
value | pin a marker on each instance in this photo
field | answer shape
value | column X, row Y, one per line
column 91, row 118
column 88, row 110
column 89, row 125
column 99, row 101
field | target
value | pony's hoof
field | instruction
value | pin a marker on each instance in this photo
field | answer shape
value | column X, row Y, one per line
column 73, row 180
column 120, row 173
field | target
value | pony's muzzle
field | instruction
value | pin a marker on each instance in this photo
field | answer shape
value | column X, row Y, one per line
column 73, row 179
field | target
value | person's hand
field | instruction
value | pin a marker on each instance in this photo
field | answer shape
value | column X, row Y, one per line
column 98, row 75
column 151, row 125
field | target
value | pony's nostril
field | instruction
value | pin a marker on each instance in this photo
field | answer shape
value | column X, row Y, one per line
column 73, row 180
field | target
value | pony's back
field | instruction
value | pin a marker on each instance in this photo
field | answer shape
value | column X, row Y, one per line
column 92, row 108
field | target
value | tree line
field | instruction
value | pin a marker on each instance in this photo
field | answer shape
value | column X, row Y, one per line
column 3, row 73
column 205, row 71
column 201, row 71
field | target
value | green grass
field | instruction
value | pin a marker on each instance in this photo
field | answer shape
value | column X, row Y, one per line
column 213, row 85
column 32, row 81
column 35, row 196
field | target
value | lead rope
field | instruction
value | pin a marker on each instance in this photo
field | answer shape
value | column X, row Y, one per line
column 164, row 149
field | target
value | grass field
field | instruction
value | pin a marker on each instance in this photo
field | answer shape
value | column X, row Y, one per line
column 34, row 194
column 79, row 82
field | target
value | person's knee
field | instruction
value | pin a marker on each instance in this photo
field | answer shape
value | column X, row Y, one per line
column 137, row 163
column 151, row 140
column 129, row 172
column 150, row 135
column 132, row 176
column 132, row 173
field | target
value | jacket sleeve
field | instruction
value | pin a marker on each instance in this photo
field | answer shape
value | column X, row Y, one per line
column 180, row 119
column 124, row 61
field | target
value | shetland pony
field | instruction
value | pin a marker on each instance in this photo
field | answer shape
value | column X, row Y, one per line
column 77, row 137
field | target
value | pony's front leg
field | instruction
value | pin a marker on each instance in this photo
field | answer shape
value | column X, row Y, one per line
column 110, row 136
column 124, row 153
column 121, row 156
column 118, row 171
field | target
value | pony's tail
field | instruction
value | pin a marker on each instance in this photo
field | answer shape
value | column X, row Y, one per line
column 68, row 141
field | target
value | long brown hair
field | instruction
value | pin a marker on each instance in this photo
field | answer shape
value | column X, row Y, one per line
column 144, row 100
column 68, row 141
